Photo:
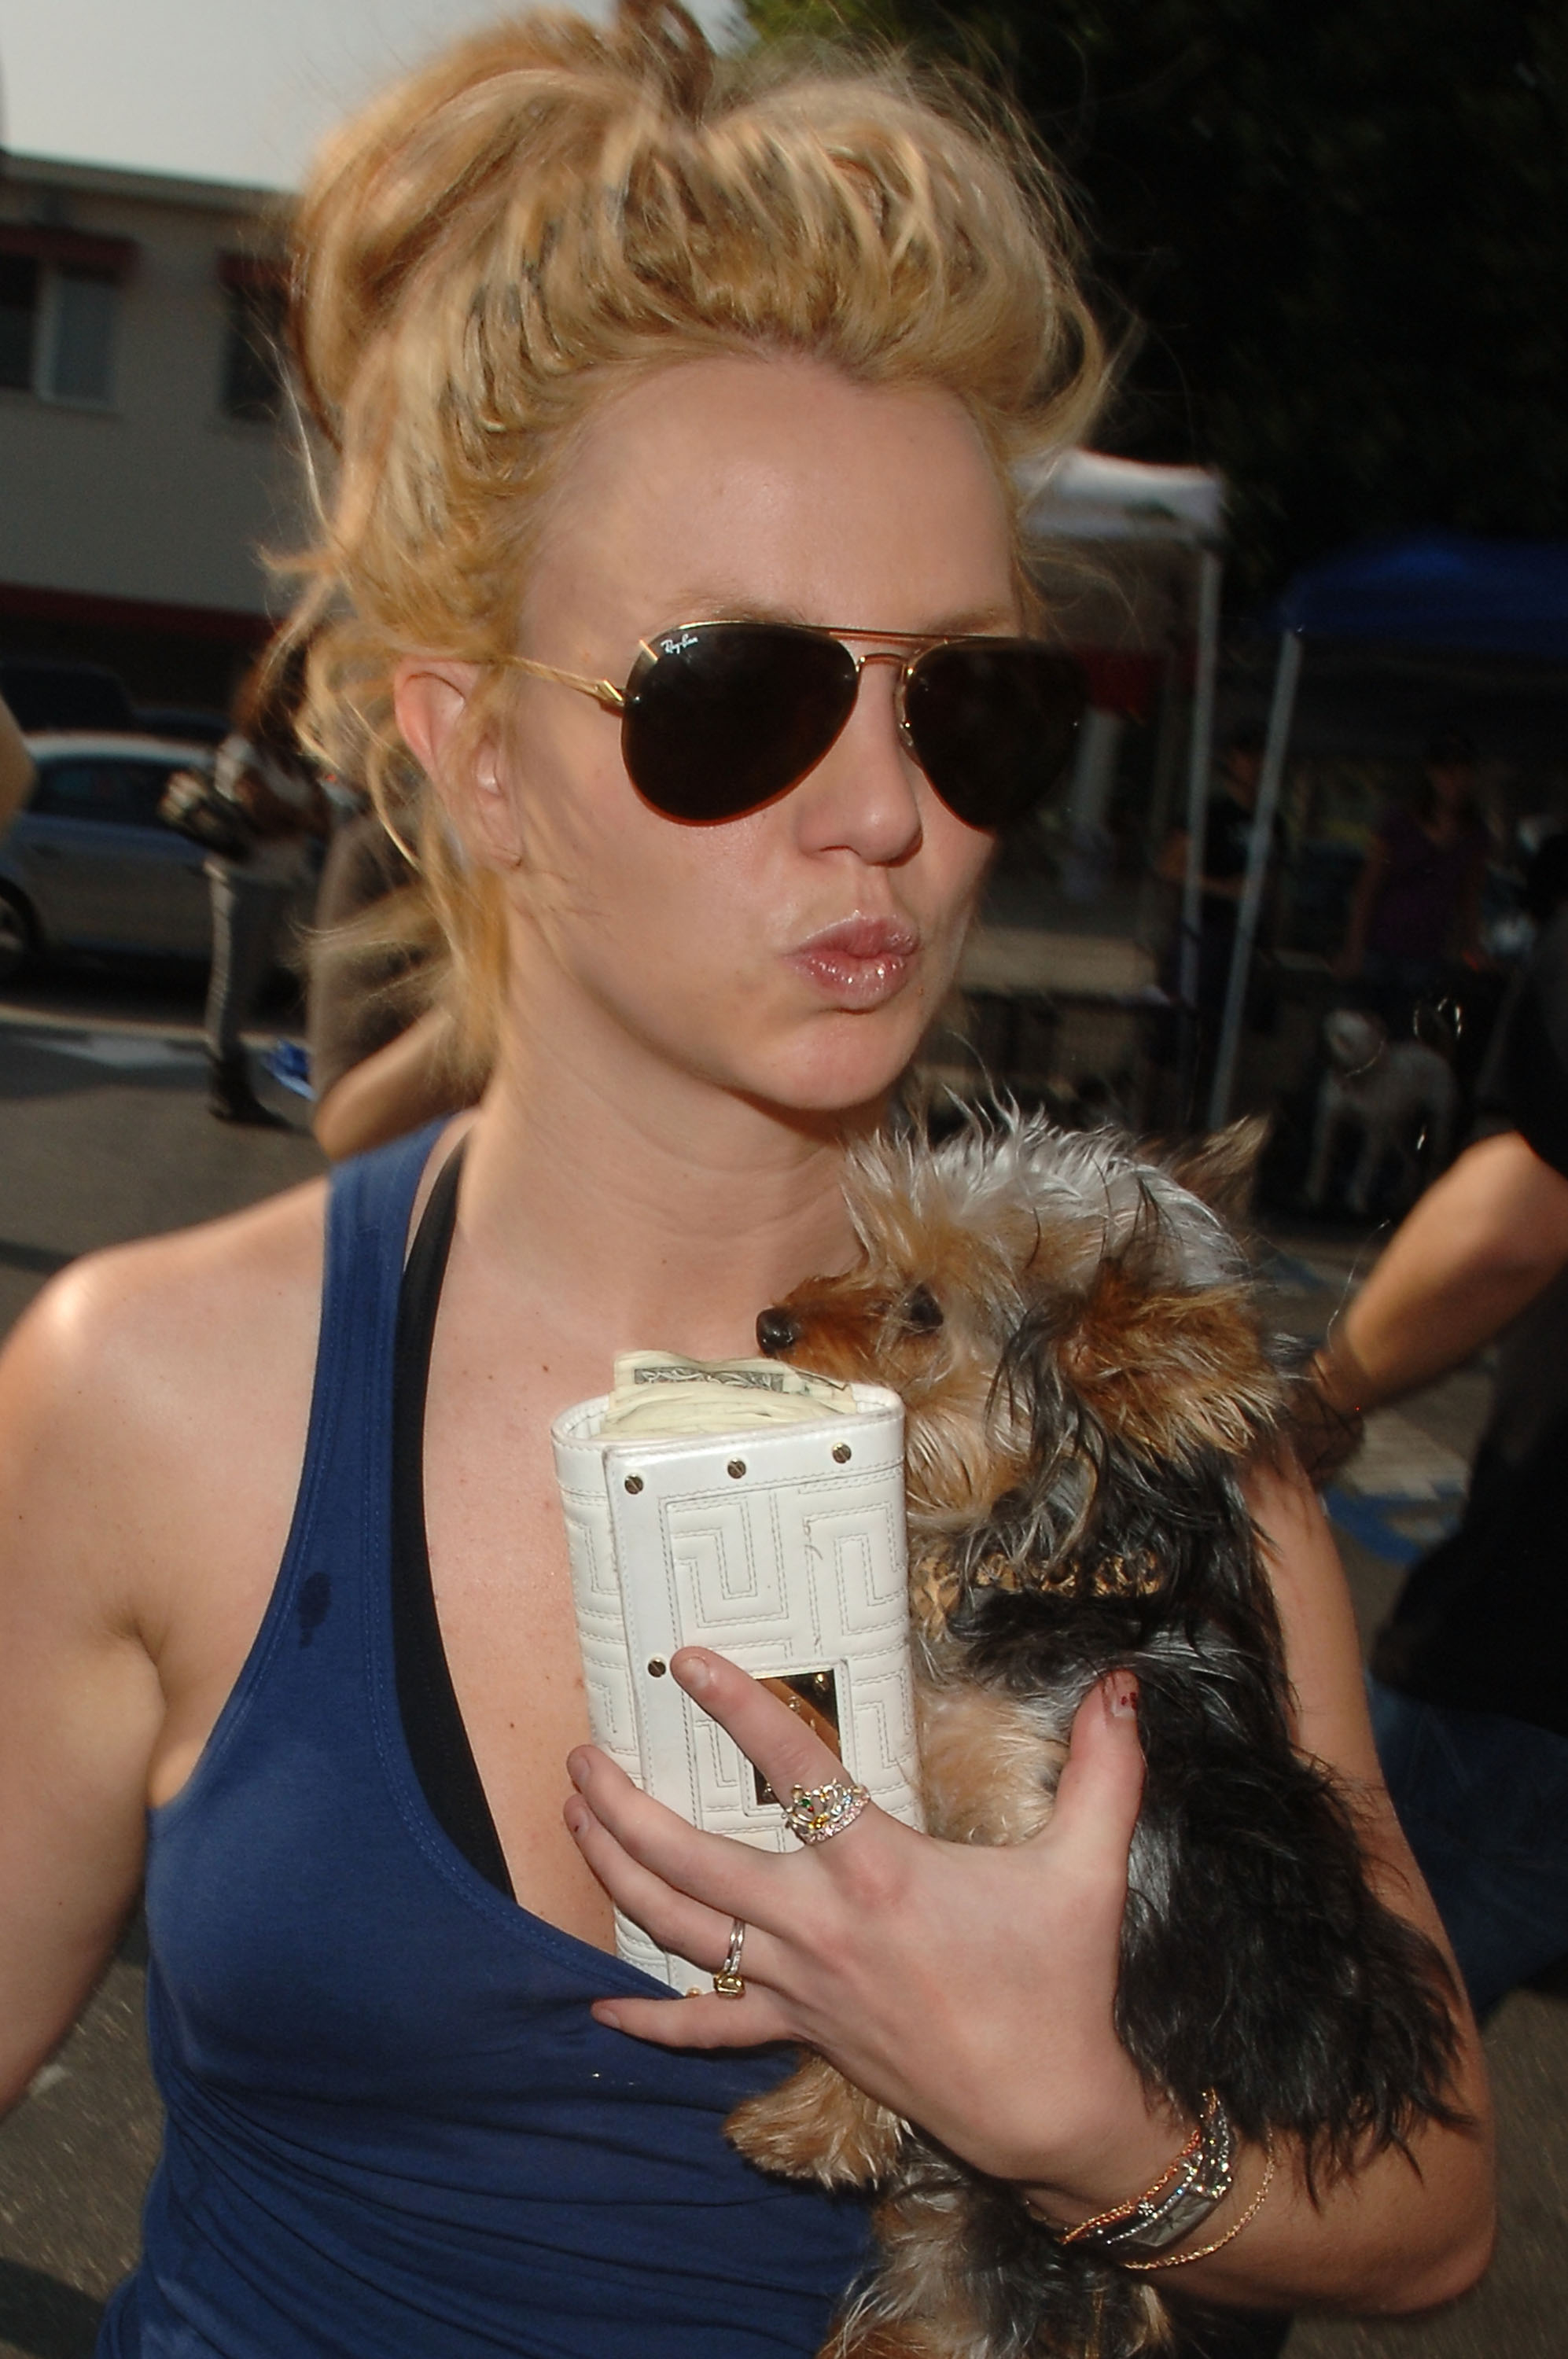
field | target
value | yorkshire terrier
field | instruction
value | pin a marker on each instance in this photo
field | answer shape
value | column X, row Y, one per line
column 1075, row 1334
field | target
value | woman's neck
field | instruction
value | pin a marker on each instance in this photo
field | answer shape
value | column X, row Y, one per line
column 652, row 1208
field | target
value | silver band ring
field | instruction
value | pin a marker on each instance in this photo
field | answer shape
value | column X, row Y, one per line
column 729, row 1981
column 814, row 1814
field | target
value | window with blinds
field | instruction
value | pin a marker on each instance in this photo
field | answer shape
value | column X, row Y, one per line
column 56, row 329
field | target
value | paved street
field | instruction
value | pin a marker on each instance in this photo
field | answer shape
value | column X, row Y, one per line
column 106, row 1136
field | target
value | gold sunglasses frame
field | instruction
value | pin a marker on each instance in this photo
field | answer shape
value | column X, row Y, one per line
column 613, row 699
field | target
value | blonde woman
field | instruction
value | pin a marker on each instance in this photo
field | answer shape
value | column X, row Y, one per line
column 619, row 351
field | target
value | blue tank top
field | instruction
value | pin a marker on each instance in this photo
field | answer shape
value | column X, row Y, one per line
column 393, row 2131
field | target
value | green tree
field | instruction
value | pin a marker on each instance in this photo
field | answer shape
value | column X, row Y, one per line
column 1340, row 228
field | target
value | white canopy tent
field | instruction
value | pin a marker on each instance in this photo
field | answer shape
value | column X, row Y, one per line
column 1085, row 495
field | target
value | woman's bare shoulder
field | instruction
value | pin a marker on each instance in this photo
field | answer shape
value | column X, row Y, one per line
column 151, row 1311
column 142, row 1367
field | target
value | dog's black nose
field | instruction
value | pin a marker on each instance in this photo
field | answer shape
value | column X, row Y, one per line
column 775, row 1332
column 922, row 1311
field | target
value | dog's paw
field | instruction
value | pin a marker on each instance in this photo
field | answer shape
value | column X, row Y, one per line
column 818, row 2125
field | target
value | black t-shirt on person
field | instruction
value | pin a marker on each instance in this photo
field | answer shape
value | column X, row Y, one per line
column 1482, row 1623
column 1227, row 840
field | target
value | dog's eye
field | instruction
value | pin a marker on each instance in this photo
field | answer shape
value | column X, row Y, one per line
column 776, row 1331
column 922, row 1311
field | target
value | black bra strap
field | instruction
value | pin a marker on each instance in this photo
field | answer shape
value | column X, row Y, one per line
column 427, row 1701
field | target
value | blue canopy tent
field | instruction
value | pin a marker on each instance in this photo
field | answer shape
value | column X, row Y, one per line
column 1435, row 591
column 1439, row 590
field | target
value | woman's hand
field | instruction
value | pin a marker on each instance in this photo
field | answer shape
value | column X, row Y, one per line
column 969, row 1989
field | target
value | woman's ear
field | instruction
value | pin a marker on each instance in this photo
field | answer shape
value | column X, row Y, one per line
column 432, row 701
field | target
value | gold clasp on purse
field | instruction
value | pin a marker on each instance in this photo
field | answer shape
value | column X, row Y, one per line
column 812, row 1696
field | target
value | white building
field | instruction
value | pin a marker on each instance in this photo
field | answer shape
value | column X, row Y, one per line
column 144, row 465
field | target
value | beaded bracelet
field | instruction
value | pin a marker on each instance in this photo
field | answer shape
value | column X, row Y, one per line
column 1203, row 2186
column 1180, row 2199
column 1179, row 2260
column 1136, row 2204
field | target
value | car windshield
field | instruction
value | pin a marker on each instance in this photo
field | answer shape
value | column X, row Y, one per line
column 101, row 788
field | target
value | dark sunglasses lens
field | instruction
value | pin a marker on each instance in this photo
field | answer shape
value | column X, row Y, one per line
column 992, row 724
column 723, row 716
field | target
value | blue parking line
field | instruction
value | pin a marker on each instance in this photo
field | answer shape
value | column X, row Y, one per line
column 1285, row 1269
column 1370, row 1518
column 288, row 1061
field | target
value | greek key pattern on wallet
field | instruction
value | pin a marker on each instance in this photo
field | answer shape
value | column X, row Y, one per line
column 782, row 1548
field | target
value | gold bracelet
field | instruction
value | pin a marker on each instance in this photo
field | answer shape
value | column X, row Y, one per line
column 1136, row 2202
column 1179, row 2260
column 1322, row 1371
column 1337, row 1362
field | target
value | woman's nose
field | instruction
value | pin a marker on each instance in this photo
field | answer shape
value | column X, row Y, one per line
column 864, row 794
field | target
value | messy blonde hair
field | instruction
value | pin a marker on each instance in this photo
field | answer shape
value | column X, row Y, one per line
column 551, row 207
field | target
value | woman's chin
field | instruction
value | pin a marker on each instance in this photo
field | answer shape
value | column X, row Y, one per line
column 838, row 1075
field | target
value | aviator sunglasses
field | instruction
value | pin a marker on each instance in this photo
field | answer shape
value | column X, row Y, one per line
column 718, row 718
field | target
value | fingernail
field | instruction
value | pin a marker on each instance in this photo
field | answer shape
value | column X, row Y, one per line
column 577, row 1768
column 696, row 1673
column 607, row 2016
column 1121, row 1695
column 577, row 1815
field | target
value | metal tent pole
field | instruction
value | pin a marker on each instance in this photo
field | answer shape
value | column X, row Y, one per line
column 1200, row 762
column 1280, row 716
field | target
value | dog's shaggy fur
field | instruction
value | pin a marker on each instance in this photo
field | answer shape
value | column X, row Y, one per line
column 1073, row 1331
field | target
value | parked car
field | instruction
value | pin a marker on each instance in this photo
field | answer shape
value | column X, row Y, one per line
column 193, row 724
column 89, row 865
column 78, row 696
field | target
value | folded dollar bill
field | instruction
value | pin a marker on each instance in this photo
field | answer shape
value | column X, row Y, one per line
column 661, row 1393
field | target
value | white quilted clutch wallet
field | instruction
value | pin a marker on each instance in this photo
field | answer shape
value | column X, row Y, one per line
column 782, row 1547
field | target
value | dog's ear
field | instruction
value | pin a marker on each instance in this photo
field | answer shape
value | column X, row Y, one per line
column 1222, row 1170
column 1170, row 1372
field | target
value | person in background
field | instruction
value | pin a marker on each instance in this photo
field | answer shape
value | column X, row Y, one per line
column 261, row 768
column 382, row 1061
column 1546, row 879
column 18, row 774
column 1416, row 910
column 1470, row 1672
column 1228, row 840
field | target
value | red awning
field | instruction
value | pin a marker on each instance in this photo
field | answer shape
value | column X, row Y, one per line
column 1122, row 679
